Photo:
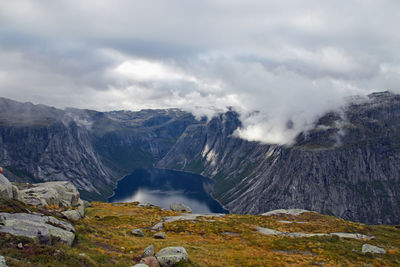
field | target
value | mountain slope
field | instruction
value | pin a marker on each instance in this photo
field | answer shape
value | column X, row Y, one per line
column 347, row 166
column 89, row 148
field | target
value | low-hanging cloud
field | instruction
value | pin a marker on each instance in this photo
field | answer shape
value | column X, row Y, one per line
column 279, row 64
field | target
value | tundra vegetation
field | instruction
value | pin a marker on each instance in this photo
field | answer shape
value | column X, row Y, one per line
column 104, row 238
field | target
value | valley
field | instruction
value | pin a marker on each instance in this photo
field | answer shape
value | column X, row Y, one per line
column 346, row 166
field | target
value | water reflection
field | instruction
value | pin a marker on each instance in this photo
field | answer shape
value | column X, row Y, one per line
column 163, row 187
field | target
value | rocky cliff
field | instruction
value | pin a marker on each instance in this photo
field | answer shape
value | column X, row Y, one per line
column 347, row 165
column 89, row 148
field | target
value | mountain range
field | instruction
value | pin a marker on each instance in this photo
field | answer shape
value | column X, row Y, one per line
column 347, row 165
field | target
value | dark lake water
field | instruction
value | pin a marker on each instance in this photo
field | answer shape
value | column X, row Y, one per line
column 163, row 187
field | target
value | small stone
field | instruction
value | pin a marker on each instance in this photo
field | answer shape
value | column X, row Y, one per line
column 170, row 256
column 82, row 254
column 3, row 262
column 157, row 227
column 180, row 207
column 137, row 232
column 72, row 215
column 366, row 248
column 140, row 265
column 122, row 248
column 148, row 252
column 160, row 235
column 150, row 261
column 20, row 246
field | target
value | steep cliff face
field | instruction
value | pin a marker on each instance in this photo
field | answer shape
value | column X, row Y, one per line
column 348, row 165
column 89, row 148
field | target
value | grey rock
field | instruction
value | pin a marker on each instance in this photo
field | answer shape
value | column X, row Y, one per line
column 148, row 251
column 145, row 205
column 6, row 190
column 190, row 217
column 294, row 212
column 286, row 222
column 72, row 215
column 158, row 227
column 42, row 229
column 16, row 193
column 354, row 236
column 63, row 194
column 3, row 262
column 150, row 261
column 348, row 159
column 81, row 207
column 140, row 265
column 184, row 217
column 366, row 248
column 267, row 231
column 170, row 256
column 86, row 204
column 137, row 232
column 180, row 207
column 160, row 235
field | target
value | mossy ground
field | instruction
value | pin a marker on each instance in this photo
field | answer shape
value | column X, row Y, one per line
column 104, row 239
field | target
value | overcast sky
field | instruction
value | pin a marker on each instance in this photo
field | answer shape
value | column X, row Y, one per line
column 287, row 59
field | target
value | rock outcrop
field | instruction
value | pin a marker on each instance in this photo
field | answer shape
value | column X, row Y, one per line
column 346, row 166
column 6, row 189
column 63, row 194
column 267, row 231
column 294, row 212
column 40, row 228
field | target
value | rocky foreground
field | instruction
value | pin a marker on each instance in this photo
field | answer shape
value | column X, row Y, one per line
column 48, row 224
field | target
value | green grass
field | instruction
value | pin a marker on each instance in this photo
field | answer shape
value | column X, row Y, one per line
column 218, row 241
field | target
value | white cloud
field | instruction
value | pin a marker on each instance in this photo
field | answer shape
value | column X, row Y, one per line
column 288, row 60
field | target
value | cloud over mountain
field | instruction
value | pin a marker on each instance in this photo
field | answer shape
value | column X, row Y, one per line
column 290, row 61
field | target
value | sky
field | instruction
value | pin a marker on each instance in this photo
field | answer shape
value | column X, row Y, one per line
column 274, row 62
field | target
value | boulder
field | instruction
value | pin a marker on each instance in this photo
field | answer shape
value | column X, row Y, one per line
column 170, row 256
column 160, row 235
column 148, row 252
column 150, row 261
column 41, row 228
column 72, row 215
column 3, row 262
column 180, row 207
column 366, row 248
column 63, row 194
column 6, row 190
column 137, row 232
column 81, row 207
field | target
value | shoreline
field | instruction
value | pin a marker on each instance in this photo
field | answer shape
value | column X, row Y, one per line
column 189, row 172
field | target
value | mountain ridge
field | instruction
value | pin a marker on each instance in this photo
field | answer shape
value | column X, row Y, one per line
column 345, row 166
